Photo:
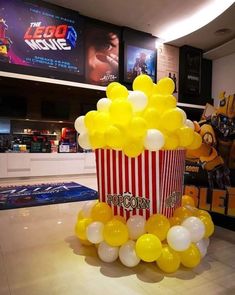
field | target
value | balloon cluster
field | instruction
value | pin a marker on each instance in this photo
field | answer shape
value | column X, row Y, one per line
column 181, row 239
column 145, row 118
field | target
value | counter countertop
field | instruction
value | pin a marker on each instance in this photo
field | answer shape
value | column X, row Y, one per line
column 43, row 164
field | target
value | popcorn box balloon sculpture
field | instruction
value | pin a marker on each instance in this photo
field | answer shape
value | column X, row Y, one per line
column 144, row 185
column 139, row 138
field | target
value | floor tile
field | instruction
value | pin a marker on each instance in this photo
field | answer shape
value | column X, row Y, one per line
column 4, row 287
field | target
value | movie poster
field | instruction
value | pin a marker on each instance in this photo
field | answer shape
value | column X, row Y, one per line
column 139, row 61
column 168, row 64
column 34, row 35
column 102, row 54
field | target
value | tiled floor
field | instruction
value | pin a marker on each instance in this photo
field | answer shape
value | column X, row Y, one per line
column 39, row 255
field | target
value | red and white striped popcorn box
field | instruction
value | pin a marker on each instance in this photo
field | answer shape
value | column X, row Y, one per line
column 148, row 184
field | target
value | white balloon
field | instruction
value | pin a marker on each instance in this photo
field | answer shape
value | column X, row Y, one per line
column 107, row 253
column 79, row 125
column 127, row 254
column 190, row 124
column 138, row 100
column 86, row 209
column 196, row 228
column 103, row 104
column 84, row 141
column 184, row 114
column 136, row 226
column 202, row 247
column 154, row 140
column 94, row 232
column 178, row 238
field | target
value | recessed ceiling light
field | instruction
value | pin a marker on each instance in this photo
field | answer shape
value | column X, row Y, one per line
column 195, row 21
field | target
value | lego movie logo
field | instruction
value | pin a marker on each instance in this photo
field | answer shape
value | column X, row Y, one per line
column 61, row 37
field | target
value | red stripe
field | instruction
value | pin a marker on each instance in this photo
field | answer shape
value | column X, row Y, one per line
column 114, row 173
column 120, row 181
column 165, row 181
column 179, row 182
column 102, row 175
column 168, row 180
column 175, row 170
column 174, row 176
column 97, row 170
column 127, row 188
column 160, row 179
column 182, row 161
column 146, row 168
column 108, row 159
column 140, row 180
column 154, row 185
column 180, row 177
column 133, row 181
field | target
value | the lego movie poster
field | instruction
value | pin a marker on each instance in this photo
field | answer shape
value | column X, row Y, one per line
column 37, row 36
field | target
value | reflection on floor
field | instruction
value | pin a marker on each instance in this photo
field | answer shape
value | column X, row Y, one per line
column 39, row 254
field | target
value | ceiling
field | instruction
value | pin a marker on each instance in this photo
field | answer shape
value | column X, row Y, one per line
column 158, row 16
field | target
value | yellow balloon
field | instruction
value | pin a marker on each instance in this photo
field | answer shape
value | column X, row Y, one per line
column 170, row 101
column 80, row 215
column 120, row 218
column 148, row 247
column 174, row 221
column 194, row 210
column 162, row 102
column 101, row 121
column 182, row 213
column 110, row 87
column 156, row 101
column 171, row 142
column 152, row 118
column 97, row 140
column 115, row 233
column 187, row 200
column 158, row 225
column 190, row 257
column 155, row 89
column 172, row 119
column 138, row 127
column 169, row 261
column 196, row 143
column 143, row 83
column 89, row 120
column 101, row 212
column 209, row 225
column 166, row 86
column 185, row 135
column 121, row 112
column 114, row 137
column 203, row 213
column 133, row 148
column 80, row 228
column 119, row 91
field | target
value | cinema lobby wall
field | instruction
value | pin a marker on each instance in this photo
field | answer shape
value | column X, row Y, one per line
column 35, row 86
